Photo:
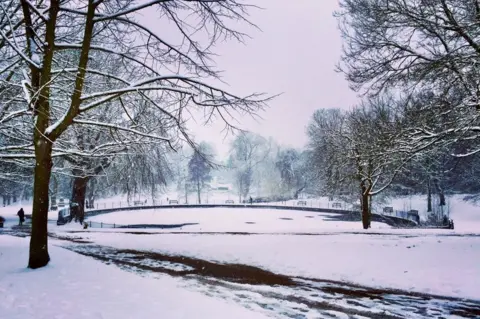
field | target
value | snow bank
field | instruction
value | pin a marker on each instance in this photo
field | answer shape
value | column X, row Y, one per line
column 74, row 287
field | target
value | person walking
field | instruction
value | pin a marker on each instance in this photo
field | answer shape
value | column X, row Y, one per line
column 21, row 216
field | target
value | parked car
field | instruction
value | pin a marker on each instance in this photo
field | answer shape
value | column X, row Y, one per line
column 2, row 221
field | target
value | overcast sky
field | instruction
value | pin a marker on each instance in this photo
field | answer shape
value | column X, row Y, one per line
column 294, row 54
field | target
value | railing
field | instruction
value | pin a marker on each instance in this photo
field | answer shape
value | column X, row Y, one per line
column 161, row 226
column 305, row 203
column 343, row 214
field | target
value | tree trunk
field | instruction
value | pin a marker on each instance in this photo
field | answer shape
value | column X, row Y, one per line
column 198, row 192
column 365, row 201
column 153, row 191
column 186, row 193
column 91, row 193
column 441, row 194
column 429, row 196
column 26, row 193
column 79, row 193
column 128, row 192
column 53, row 198
column 39, row 239
column 365, row 211
column 43, row 145
column 297, row 192
column 442, row 198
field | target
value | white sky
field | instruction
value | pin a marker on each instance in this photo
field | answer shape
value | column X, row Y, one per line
column 294, row 54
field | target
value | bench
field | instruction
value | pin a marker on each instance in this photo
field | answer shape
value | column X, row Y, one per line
column 302, row 203
column 229, row 201
column 138, row 203
column 337, row 205
column 173, row 201
column 388, row 210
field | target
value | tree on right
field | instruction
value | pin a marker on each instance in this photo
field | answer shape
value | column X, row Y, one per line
column 426, row 50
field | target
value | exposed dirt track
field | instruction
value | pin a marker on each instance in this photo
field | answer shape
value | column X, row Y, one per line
column 283, row 296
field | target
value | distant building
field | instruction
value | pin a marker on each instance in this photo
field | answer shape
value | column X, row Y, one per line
column 218, row 184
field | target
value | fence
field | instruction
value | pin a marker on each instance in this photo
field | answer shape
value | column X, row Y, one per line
column 157, row 226
column 123, row 204
column 336, row 206
column 341, row 214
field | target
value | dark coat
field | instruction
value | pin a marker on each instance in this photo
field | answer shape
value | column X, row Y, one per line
column 21, row 214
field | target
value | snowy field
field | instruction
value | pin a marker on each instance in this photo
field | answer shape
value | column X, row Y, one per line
column 308, row 244
column 75, row 287
column 325, row 258
column 431, row 263
column 221, row 219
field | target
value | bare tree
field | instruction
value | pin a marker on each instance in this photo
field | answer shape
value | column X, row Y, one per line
column 417, row 47
column 292, row 167
column 56, row 42
column 358, row 151
column 199, row 167
column 248, row 150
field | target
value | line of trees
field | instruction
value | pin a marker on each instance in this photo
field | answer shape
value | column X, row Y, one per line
column 92, row 96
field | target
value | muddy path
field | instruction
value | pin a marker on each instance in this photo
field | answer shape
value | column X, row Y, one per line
column 281, row 296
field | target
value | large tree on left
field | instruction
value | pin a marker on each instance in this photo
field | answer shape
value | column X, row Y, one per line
column 49, row 45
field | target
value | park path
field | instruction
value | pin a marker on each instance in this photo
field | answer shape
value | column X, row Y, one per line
column 276, row 295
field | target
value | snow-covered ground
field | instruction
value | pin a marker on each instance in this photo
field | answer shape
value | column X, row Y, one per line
column 254, row 220
column 432, row 263
column 77, row 287
column 292, row 243
column 443, row 262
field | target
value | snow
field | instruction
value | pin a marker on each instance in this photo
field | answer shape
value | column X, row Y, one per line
column 465, row 214
column 292, row 243
column 77, row 287
column 233, row 220
column 56, row 124
column 33, row 52
column 10, row 212
column 430, row 263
